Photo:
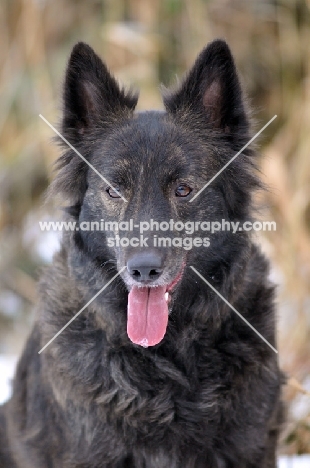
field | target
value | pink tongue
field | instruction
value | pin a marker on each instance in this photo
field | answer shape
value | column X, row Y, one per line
column 147, row 315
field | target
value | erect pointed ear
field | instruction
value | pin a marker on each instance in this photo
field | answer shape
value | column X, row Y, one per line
column 91, row 94
column 212, row 90
column 92, row 100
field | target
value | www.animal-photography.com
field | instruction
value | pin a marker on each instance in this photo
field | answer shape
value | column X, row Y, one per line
column 155, row 234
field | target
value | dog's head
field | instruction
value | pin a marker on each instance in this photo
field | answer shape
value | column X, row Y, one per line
column 137, row 175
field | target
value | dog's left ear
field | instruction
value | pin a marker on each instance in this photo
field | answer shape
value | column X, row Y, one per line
column 211, row 89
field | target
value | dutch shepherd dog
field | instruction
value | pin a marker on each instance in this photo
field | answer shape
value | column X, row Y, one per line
column 157, row 371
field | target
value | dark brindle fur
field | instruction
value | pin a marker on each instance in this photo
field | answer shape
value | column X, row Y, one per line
column 208, row 394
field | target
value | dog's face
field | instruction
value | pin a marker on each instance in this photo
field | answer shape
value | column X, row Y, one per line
column 146, row 161
column 152, row 165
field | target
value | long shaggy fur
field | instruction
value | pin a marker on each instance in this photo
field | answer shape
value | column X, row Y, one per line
column 206, row 396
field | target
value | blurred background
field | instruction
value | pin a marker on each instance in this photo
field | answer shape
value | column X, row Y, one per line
column 145, row 43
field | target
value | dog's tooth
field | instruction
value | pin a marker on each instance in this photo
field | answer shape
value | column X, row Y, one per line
column 166, row 296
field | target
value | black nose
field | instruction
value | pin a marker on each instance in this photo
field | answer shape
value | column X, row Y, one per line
column 145, row 267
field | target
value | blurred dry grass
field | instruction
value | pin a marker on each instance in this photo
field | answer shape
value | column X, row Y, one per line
column 146, row 42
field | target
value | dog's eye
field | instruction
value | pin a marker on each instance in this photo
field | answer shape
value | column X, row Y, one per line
column 113, row 193
column 183, row 190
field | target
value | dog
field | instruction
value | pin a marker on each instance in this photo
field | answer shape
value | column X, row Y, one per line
column 158, row 371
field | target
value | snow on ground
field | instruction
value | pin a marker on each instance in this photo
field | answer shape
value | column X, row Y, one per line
column 7, row 367
column 294, row 462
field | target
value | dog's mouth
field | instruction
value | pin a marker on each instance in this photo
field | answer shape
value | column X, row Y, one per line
column 147, row 315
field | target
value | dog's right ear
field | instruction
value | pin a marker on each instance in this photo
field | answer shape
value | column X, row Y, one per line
column 92, row 96
column 92, row 100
